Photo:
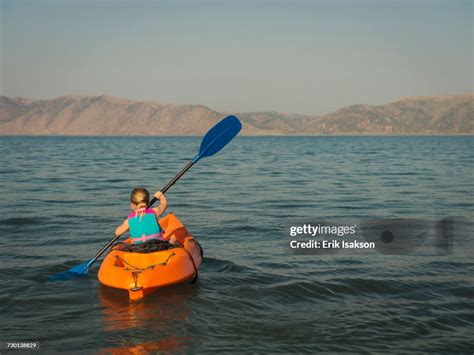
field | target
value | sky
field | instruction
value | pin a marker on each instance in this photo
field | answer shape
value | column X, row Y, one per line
column 299, row 56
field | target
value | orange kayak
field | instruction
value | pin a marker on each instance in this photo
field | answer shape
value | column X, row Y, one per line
column 140, row 273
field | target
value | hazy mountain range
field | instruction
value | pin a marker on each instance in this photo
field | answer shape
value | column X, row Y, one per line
column 106, row 115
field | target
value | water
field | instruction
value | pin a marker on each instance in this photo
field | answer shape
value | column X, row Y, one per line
column 62, row 197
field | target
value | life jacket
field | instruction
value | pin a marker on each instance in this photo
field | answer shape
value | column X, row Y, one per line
column 144, row 226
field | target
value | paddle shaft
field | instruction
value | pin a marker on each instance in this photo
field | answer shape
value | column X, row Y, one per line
column 173, row 181
column 101, row 251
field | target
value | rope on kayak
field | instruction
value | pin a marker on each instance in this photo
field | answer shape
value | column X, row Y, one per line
column 149, row 267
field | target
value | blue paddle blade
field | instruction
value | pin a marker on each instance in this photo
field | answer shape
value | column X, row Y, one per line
column 75, row 271
column 218, row 136
column 81, row 269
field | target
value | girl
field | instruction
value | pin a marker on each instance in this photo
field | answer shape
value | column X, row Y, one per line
column 143, row 221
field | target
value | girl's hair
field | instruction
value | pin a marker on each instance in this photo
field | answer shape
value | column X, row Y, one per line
column 140, row 197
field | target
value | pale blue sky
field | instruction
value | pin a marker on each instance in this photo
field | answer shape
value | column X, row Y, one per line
column 296, row 56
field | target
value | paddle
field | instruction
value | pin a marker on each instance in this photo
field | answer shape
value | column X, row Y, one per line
column 214, row 140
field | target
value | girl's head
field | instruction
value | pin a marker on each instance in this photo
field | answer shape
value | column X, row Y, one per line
column 139, row 198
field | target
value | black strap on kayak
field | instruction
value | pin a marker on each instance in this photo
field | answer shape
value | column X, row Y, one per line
column 196, row 273
column 149, row 267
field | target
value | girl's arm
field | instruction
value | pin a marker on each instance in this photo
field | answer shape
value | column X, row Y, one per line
column 163, row 203
column 121, row 229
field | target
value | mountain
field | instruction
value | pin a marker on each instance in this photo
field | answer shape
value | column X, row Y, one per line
column 102, row 115
column 273, row 123
column 412, row 115
column 106, row 115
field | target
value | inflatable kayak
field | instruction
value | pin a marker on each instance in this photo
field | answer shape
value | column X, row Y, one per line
column 141, row 273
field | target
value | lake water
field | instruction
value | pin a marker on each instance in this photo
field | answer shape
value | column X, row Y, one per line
column 62, row 197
